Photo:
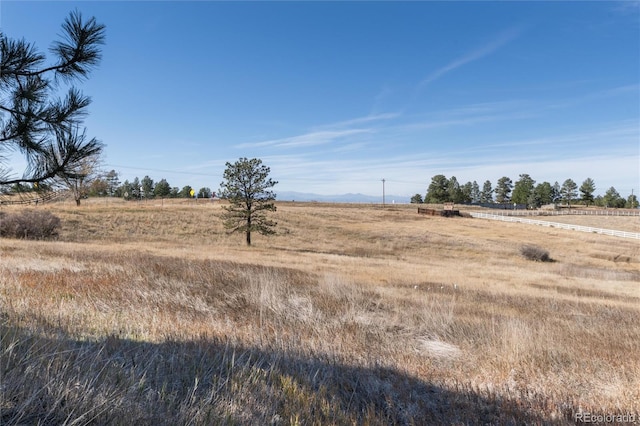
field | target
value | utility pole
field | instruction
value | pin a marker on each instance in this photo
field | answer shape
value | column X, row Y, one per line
column 383, row 192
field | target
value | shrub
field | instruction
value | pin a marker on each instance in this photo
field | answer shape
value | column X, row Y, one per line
column 30, row 224
column 535, row 253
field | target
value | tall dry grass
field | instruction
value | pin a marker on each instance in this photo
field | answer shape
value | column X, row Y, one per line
column 151, row 314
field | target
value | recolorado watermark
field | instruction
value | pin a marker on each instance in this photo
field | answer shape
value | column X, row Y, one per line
column 619, row 418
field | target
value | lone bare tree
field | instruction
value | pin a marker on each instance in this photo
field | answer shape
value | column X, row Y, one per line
column 78, row 180
column 247, row 187
column 34, row 121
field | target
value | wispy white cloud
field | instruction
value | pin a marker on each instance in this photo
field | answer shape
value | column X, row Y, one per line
column 508, row 110
column 307, row 139
column 326, row 133
column 351, row 147
column 464, row 121
column 627, row 7
column 630, row 89
column 618, row 134
column 362, row 120
column 479, row 53
column 468, row 115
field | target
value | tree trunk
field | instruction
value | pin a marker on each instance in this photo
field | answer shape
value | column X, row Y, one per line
column 249, row 231
column 78, row 202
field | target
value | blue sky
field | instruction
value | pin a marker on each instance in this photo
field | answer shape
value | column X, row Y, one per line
column 335, row 96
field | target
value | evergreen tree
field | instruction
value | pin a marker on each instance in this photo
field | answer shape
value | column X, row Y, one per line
column 247, row 186
column 555, row 193
column 416, row 199
column 113, row 182
column 534, row 200
column 475, row 192
column 136, row 189
column 454, row 191
column 438, row 190
column 162, row 189
column 568, row 191
column 523, row 190
column 465, row 192
column 486, row 196
column 127, row 190
column 503, row 190
column 613, row 199
column 204, row 192
column 147, row 187
column 543, row 194
column 587, row 189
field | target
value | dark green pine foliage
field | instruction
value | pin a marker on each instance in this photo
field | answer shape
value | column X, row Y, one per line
column 247, row 187
column 162, row 189
column 34, row 121
column 438, row 190
column 568, row 191
column 503, row 190
column 416, row 199
column 523, row 189
column 587, row 189
column 486, row 196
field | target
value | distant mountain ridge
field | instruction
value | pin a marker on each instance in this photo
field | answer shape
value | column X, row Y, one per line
column 340, row 198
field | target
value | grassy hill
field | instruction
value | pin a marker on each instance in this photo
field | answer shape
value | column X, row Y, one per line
column 149, row 313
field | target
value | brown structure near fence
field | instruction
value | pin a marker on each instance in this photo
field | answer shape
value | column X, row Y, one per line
column 438, row 212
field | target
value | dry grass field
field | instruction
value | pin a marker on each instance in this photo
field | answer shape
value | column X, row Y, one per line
column 151, row 314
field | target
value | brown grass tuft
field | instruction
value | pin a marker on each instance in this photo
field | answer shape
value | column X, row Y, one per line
column 535, row 253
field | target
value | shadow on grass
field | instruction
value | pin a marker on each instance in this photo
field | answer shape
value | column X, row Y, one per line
column 60, row 380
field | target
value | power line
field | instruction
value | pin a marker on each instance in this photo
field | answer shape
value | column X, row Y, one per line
column 161, row 170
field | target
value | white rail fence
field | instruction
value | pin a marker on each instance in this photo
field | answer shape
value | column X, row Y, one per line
column 612, row 232
column 567, row 212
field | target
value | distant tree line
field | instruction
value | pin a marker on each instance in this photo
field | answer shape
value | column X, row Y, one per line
column 523, row 191
column 147, row 188
column 107, row 184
